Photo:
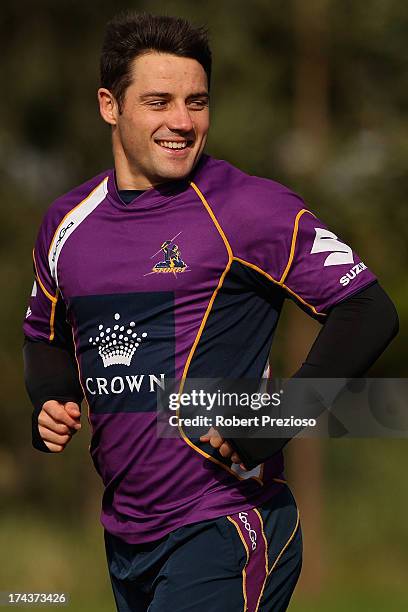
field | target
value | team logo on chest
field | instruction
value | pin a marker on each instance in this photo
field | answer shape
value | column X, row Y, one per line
column 172, row 261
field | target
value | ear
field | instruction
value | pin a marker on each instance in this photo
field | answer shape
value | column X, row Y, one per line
column 108, row 106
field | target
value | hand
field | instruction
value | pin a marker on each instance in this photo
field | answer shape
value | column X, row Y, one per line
column 57, row 423
column 213, row 437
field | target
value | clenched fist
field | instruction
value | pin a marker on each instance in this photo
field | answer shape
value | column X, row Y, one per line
column 57, row 423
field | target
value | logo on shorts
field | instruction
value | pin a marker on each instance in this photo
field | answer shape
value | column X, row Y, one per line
column 251, row 532
column 117, row 344
column 171, row 259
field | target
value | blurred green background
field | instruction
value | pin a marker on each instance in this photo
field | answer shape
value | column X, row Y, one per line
column 313, row 94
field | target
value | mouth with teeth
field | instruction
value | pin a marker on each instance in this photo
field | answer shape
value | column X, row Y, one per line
column 174, row 146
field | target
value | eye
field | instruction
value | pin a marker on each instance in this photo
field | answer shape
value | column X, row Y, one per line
column 198, row 104
column 158, row 103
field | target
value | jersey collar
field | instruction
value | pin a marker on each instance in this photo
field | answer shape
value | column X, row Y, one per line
column 154, row 197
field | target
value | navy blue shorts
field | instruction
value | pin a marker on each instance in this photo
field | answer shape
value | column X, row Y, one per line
column 245, row 562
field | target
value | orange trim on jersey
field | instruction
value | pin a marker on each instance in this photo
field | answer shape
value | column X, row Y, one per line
column 72, row 210
column 231, row 258
column 293, row 244
column 202, row 325
column 80, row 382
column 291, row 256
column 280, row 480
column 184, row 376
column 266, row 557
column 269, row 277
column 200, row 331
column 44, row 290
column 244, row 589
column 214, row 219
column 52, row 317
column 53, row 299
column 286, row 545
column 220, row 282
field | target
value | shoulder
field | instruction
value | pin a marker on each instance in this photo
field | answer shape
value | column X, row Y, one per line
column 238, row 199
column 259, row 217
column 78, row 197
column 74, row 201
column 251, row 196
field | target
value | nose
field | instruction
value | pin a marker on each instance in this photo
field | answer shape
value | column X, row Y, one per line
column 179, row 119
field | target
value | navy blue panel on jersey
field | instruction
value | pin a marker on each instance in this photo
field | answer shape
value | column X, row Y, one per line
column 238, row 345
column 125, row 349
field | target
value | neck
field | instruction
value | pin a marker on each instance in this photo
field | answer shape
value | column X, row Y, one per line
column 127, row 177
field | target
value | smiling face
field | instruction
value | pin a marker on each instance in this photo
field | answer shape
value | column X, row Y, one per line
column 162, row 128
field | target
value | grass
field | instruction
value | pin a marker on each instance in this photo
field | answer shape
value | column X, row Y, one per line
column 363, row 533
column 361, row 600
column 36, row 556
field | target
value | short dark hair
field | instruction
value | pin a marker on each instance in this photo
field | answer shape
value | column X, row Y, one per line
column 131, row 34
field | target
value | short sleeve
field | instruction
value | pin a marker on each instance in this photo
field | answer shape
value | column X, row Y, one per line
column 45, row 318
column 322, row 270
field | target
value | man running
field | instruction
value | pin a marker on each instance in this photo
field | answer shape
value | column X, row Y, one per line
column 186, row 527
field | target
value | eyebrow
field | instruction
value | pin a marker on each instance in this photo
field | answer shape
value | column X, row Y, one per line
column 199, row 94
column 163, row 94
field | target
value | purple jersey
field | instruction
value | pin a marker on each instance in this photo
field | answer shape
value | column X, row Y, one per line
column 186, row 281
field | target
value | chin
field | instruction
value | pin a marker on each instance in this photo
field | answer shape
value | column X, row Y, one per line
column 174, row 173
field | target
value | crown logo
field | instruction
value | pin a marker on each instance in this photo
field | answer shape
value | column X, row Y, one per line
column 117, row 345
